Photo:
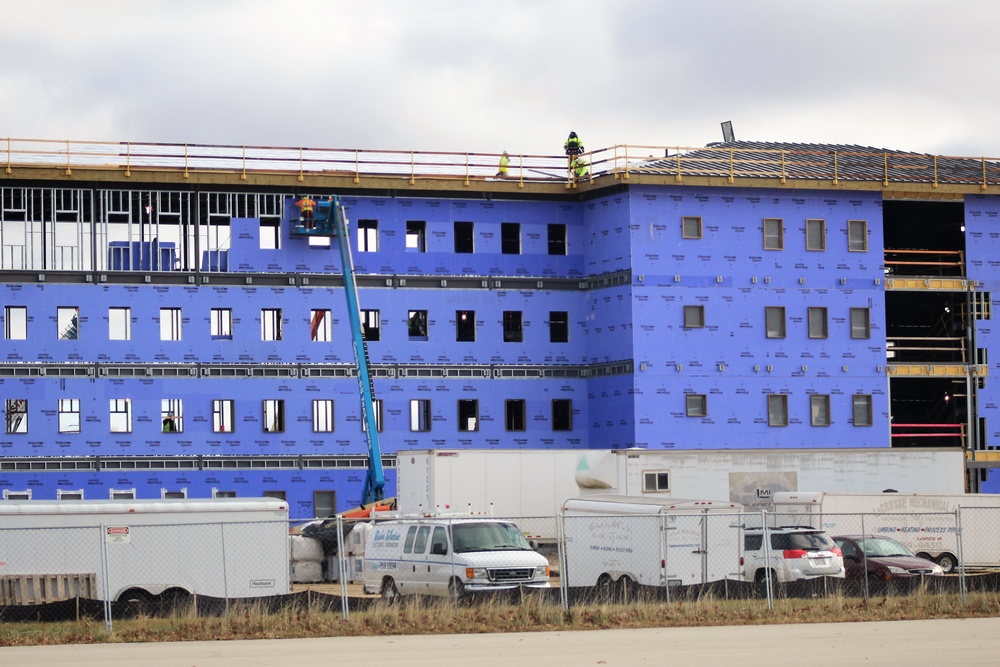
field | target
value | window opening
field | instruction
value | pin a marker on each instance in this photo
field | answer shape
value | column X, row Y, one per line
column 773, row 234
column 510, row 238
column 562, row 414
column 515, row 414
column 322, row 415
column 119, row 324
column 270, row 324
column 557, row 239
column 320, row 326
column 513, row 331
column 464, row 237
column 468, row 415
column 222, row 324
column 121, row 415
column 420, row 415
column 416, row 236
column 170, row 323
column 15, row 323
column 465, row 326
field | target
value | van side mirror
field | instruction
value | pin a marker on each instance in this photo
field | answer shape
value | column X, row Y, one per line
column 439, row 549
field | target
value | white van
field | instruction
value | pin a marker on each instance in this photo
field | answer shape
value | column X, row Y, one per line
column 450, row 557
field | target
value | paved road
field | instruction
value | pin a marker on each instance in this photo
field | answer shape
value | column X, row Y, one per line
column 966, row 642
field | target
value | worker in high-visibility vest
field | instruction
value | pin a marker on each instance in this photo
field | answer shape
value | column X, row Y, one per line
column 579, row 167
column 573, row 145
column 504, row 166
column 306, row 206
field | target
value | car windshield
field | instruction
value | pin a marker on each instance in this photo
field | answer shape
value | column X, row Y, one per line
column 497, row 536
column 883, row 546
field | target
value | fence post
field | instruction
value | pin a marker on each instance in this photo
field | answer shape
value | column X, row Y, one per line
column 665, row 550
column 105, row 584
column 561, row 558
column 961, row 558
column 864, row 559
column 768, row 580
column 342, row 566
column 225, row 571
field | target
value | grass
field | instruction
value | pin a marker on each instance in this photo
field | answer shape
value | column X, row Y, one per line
column 418, row 616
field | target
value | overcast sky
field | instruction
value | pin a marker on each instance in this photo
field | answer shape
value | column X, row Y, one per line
column 516, row 75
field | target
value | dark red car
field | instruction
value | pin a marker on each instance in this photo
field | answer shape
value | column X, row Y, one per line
column 882, row 558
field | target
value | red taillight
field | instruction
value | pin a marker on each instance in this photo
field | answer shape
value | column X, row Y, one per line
column 796, row 553
column 742, row 561
column 837, row 552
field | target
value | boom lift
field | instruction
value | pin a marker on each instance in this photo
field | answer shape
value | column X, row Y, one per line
column 328, row 220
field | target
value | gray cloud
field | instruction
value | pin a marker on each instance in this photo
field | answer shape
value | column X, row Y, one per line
column 456, row 75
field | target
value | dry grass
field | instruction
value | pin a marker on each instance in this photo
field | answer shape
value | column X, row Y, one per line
column 431, row 616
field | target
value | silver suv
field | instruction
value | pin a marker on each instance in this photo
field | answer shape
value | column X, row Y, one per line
column 792, row 553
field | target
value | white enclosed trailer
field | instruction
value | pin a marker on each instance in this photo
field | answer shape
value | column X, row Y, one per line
column 137, row 549
column 620, row 541
column 926, row 523
column 497, row 482
column 535, row 483
column 752, row 476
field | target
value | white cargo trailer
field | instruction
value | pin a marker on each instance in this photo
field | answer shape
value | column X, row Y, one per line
column 926, row 523
column 138, row 549
column 497, row 482
column 535, row 483
column 615, row 542
column 752, row 476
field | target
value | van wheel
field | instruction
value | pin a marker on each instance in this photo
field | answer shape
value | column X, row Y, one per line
column 389, row 590
column 947, row 562
column 456, row 589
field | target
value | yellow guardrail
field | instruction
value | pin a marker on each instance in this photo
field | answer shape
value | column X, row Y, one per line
column 622, row 161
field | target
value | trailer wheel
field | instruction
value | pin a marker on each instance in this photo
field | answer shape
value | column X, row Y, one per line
column 924, row 555
column 605, row 587
column 948, row 562
column 626, row 589
column 389, row 590
column 175, row 600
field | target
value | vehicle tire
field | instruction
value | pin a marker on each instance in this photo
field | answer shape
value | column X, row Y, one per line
column 924, row 555
column 175, row 601
column 456, row 589
column 948, row 562
column 760, row 576
column 605, row 588
column 626, row 589
column 389, row 591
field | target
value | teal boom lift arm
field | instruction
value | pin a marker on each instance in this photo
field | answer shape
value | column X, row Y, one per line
column 330, row 220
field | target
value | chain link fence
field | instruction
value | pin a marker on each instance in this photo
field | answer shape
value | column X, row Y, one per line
column 110, row 572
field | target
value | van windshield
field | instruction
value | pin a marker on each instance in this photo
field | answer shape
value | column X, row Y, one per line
column 468, row 537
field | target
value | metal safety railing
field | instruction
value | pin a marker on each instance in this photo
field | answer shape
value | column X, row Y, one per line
column 833, row 165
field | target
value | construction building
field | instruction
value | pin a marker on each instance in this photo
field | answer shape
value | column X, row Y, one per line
column 166, row 335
